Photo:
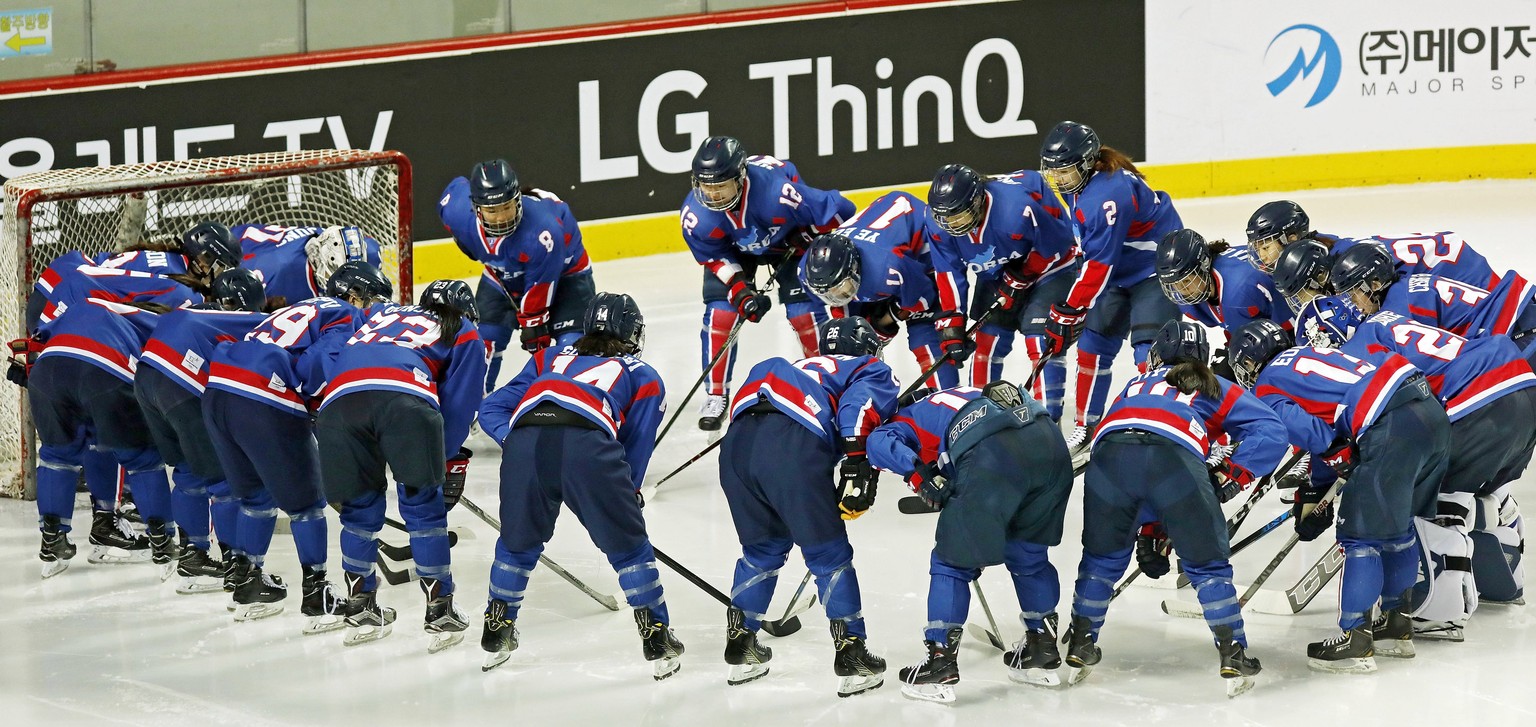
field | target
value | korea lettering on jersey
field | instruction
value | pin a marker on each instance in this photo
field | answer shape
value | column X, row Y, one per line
column 1462, row 309
column 1241, row 294
column 622, row 395
column 102, row 333
column 1464, row 374
column 185, row 339
column 115, row 285
column 1322, row 393
column 890, row 238
column 833, row 396
column 281, row 361
column 1193, row 420
column 1446, row 254
column 1121, row 219
column 917, row 431
column 276, row 255
column 529, row 262
column 157, row 262
column 774, row 205
column 1024, row 219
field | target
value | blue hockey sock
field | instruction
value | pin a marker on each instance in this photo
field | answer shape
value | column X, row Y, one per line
column 145, row 476
column 361, row 519
column 640, row 580
column 57, row 472
column 426, row 519
column 258, row 518
column 1218, row 597
column 509, row 575
column 1035, row 582
column 1095, row 360
column 225, row 510
column 837, row 583
column 189, row 505
column 949, row 597
column 309, row 534
column 757, row 572
column 102, row 476
column 498, row 336
column 1400, row 569
column 1362, row 581
column 1096, row 576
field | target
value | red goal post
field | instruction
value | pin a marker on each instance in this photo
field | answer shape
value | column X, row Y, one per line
column 102, row 209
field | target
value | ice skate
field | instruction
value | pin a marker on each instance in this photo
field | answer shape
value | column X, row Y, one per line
column 1350, row 652
column 366, row 619
column 748, row 658
column 1238, row 669
column 199, row 573
column 712, row 413
column 934, row 678
column 1082, row 653
column 1392, row 634
column 444, row 623
column 56, row 549
column 860, row 671
column 1438, row 630
column 257, row 595
column 499, row 639
column 324, row 607
column 659, row 644
column 162, row 548
column 1299, row 474
column 1034, row 658
column 113, row 542
column 1077, row 445
column 128, row 512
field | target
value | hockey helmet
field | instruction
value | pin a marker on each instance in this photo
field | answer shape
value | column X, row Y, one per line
column 497, row 196
column 1327, row 322
column 453, row 294
column 1179, row 341
column 851, row 336
column 238, row 289
column 616, row 315
column 957, row 199
column 831, row 268
column 1068, row 155
column 359, row 279
column 1253, row 346
column 719, row 173
column 1271, row 228
column 211, row 246
column 1364, row 272
column 1184, row 267
column 1301, row 272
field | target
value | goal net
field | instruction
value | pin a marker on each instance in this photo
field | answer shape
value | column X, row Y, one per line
column 103, row 209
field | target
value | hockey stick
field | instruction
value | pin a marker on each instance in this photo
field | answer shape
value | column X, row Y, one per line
column 403, row 552
column 607, row 601
column 792, row 609
column 970, row 331
column 1177, row 607
column 782, row 627
column 684, row 465
column 1266, row 484
column 1328, row 498
column 391, row 576
column 1299, row 595
column 991, row 636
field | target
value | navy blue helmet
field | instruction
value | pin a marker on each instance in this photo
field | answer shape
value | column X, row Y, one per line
column 497, row 196
column 1179, row 341
column 851, row 336
column 617, row 315
column 1068, row 154
column 1303, row 267
column 453, row 294
column 1328, row 322
column 360, row 279
column 1366, row 266
column 832, row 268
column 957, row 199
column 719, row 173
column 238, row 289
column 1184, row 267
column 1271, row 228
column 1253, row 346
column 211, row 244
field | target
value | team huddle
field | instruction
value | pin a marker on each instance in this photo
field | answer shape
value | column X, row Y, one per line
column 1387, row 380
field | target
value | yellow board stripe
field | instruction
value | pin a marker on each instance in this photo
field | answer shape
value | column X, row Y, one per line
column 658, row 233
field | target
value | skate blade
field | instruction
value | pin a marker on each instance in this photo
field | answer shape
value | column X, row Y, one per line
column 858, row 684
column 1239, row 685
column 1492, row 602
column 165, row 570
column 53, row 568
column 1366, row 665
column 1396, row 648
column 1076, row 674
column 940, row 693
column 359, row 635
column 1035, row 677
column 193, row 585
column 743, row 673
column 1439, row 632
column 323, row 624
column 494, row 659
column 443, row 640
column 257, row 611
column 105, row 555
column 666, row 667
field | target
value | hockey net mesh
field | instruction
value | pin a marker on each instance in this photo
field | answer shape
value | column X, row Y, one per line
column 102, row 209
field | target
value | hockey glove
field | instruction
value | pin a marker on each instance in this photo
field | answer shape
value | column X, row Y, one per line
column 1312, row 515
column 855, row 480
column 1062, row 328
column 535, row 332
column 1152, row 550
column 929, row 483
column 952, row 339
column 1342, row 456
column 1220, row 367
column 1229, row 479
column 1013, row 287
column 453, row 480
column 751, row 304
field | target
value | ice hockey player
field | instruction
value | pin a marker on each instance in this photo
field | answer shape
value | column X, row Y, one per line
column 295, row 263
column 1213, row 284
column 1119, row 219
column 257, row 407
column 537, row 277
column 1149, row 453
column 744, row 213
column 888, row 239
column 171, row 378
column 577, row 425
column 408, row 381
column 1013, row 233
column 790, row 423
column 1374, row 421
column 997, row 465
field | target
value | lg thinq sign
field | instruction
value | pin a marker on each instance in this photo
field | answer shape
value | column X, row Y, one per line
column 610, row 125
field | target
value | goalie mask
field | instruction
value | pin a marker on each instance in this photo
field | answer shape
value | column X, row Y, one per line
column 332, row 247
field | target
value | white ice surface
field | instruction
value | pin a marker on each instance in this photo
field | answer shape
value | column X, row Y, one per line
column 107, row 645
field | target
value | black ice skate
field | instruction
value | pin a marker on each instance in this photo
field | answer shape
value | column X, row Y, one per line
column 324, row 607
column 499, row 639
column 659, row 644
column 199, row 572
column 128, row 511
column 1082, row 652
column 860, row 670
column 934, row 678
column 112, row 541
column 366, row 619
column 444, row 623
column 1079, row 445
column 1392, row 633
column 162, row 547
column 1351, row 652
column 712, row 413
column 1034, row 658
column 257, row 595
column 748, row 658
column 1238, row 669
column 56, row 549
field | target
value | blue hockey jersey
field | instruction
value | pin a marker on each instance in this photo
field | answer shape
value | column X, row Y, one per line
column 1322, row 394
column 281, row 362
column 1024, row 219
column 917, row 431
column 1120, row 219
column 775, row 205
column 145, row 261
column 1462, row 309
column 545, row 246
column 1242, row 294
column 622, row 395
column 276, row 254
column 1445, row 254
column 102, row 333
column 115, row 285
column 889, row 237
column 185, row 339
column 833, row 396
column 1194, row 420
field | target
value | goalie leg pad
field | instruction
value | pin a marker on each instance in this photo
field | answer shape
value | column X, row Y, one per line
column 1445, row 590
column 1500, row 541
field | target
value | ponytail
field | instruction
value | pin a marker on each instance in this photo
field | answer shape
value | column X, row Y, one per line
column 449, row 320
column 1217, row 247
column 1190, row 376
column 1112, row 159
column 600, row 344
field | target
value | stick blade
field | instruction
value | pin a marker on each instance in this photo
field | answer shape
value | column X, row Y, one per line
column 982, row 634
column 783, row 627
column 914, row 505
